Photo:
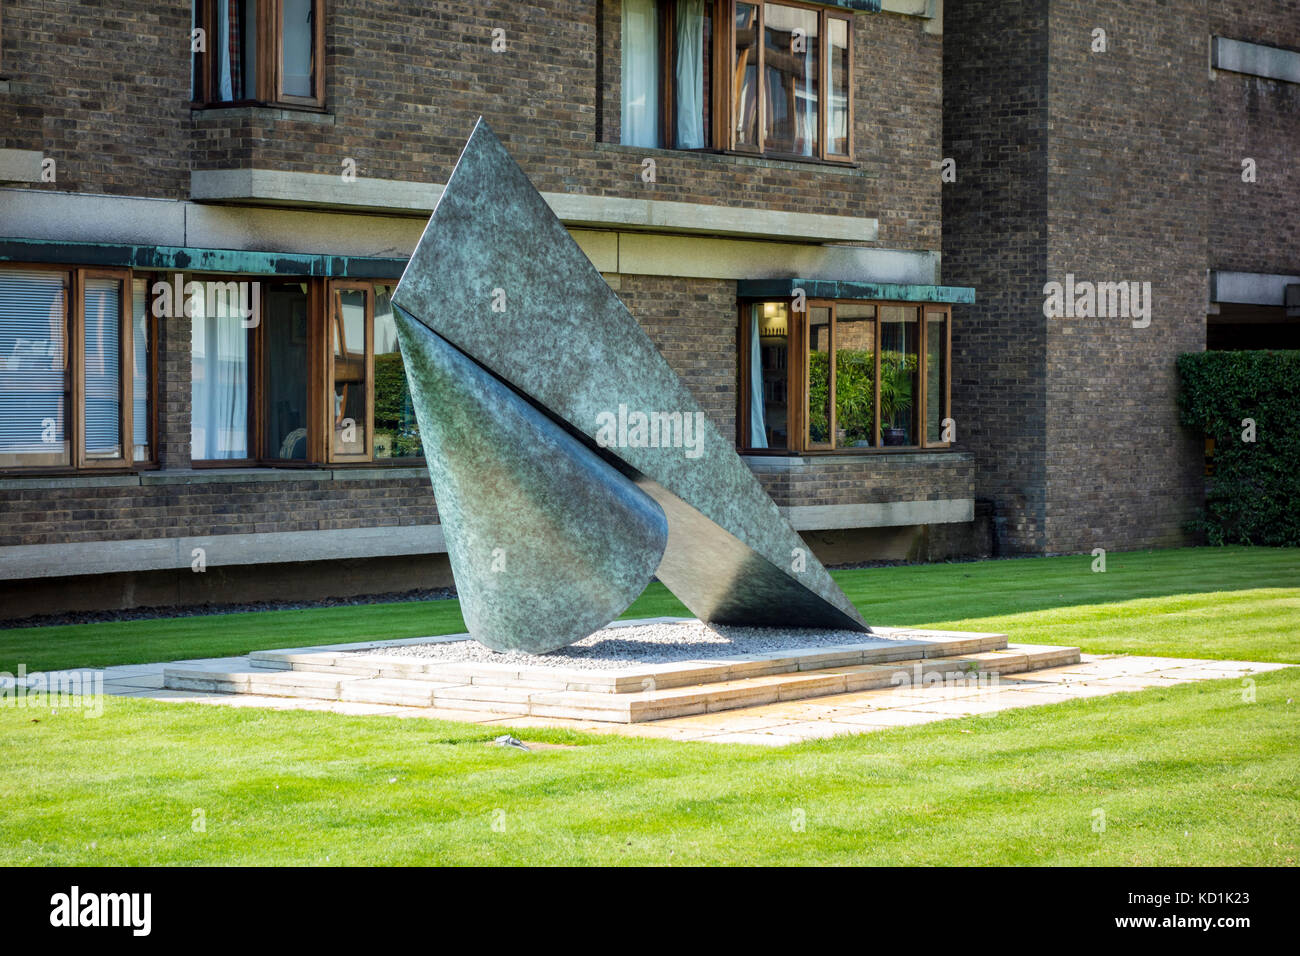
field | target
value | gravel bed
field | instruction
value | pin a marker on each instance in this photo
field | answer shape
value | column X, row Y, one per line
column 614, row 648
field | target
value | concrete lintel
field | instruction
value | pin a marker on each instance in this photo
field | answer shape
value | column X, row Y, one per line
column 18, row 562
column 382, row 243
column 1256, row 59
column 886, row 514
column 318, row 190
column 1250, row 288
column 21, row 165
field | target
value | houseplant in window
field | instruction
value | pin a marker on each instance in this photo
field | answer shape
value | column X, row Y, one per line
column 897, row 372
column 855, row 371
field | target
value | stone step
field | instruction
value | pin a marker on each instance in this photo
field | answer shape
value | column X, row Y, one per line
column 646, row 703
column 894, row 644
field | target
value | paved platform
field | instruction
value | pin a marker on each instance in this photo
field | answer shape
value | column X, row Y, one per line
column 949, row 688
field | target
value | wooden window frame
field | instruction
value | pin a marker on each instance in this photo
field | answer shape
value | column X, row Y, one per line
column 253, row 422
column 798, row 336
column 724, row 81
column 261, row 373
column 74, row 323
column 269, row 77
column 333, row 317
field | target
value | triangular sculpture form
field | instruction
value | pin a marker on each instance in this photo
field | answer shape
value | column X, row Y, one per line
column 569, row 463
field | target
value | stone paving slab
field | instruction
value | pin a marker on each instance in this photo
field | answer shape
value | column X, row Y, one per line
column 763, row 719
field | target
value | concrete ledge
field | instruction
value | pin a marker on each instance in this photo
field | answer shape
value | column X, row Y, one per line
column 882, row 515
column 783, row 463
column 1256, row 59
column 1250, row 288
column 21, row 165
column 204, row 476
column 19, row 562
column 285, row 188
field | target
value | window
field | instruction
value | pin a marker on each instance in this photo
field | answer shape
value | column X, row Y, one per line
column 370, row 413
column 769, row 78
column 76, row 376
column 843, row 376
column 312, row 376
column 258, row 51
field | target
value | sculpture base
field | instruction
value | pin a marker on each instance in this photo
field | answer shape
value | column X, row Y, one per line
column 393, row 673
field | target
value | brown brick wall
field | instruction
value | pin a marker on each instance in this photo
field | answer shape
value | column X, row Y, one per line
column 1254, row 226
column 405, row 80
column 103, row 92
column 867, row 479
column 693, row 323
column 1128, row 201
column 58, row 515
column 995, row 127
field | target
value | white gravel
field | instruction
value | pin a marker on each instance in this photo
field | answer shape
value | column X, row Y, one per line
column 614, row 648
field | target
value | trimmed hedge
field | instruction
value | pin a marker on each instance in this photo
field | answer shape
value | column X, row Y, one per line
column 1254, row 496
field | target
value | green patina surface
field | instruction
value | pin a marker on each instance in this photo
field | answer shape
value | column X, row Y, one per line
column 498, row 276
column 193, row 259
column 835, row 289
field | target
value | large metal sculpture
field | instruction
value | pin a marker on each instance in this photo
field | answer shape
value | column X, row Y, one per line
column 569, row 462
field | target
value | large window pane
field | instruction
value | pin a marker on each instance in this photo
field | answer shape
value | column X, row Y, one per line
column 936, row 375
column 744, row 70
column 820, row 380
column 102, row 341
column 840, row 73
column 855, row 375
column 692, row 43
column 397, row 434
column 790, row 62
column 141, row 404
column 769, row 375
column 219, row 375
column 351, row 388
column 640, row 51
column 34, row 378
column 297, row 39
column 899, row 378
column 235, row 49
column 284, row 316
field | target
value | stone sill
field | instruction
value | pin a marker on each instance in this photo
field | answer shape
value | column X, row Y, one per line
column 660, row 154
column 213, row 115
column 927, row 456
column 204, row 476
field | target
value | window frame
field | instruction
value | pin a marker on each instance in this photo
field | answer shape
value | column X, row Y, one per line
column 253, row 423
column 269, row 69
column 74, row 323
column 798, row 336
column 722, row 126
column 325, row 409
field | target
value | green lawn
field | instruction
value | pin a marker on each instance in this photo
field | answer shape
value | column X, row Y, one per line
column 1187, row 775
column 1239, row 603
column 1194, row 774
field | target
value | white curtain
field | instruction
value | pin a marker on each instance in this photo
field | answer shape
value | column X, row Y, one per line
column 807, row 104
column 640, row 118
column 690, row 74
column 219, row 366
column 757, row 418
column 226, row 89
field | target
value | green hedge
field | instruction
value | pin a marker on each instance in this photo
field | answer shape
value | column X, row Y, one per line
column 1254, row 496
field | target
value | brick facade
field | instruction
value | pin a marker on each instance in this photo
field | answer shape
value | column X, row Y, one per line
column 405, row 81
column 1114, row 165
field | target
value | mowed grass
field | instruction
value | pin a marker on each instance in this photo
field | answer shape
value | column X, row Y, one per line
column 1196, row 774
column 1225, row 603
column 1189, row 775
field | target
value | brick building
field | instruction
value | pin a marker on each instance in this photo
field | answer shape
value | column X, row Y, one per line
column 204, row 206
